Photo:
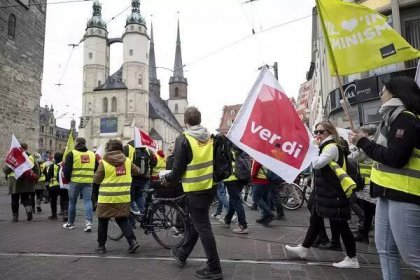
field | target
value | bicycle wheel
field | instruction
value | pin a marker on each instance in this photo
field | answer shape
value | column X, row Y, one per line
column 246, row 195
column 114, row 231
column 291, row 196
column 168, row 224
column 307, row 191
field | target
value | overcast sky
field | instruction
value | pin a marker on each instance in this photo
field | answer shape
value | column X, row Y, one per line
column 216, row 77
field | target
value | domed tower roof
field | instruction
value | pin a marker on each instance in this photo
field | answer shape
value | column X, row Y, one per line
column 135, row 17
column 96, row 19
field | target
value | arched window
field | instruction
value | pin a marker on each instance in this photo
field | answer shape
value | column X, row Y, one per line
column 11, row 31
column 114, row 104
column 176, row 92
column 105, row 105
column 131, row 105
column 140, row 79
column 176, row 108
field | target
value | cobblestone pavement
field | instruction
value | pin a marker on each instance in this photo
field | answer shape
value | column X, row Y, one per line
column 42, row 249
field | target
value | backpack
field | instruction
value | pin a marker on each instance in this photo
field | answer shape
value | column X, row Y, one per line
column 142, row 160
column 272, row 177
column 222, row 158
column 242, row 168
column 353, row 170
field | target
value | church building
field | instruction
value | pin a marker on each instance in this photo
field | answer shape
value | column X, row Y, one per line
column 114, row 104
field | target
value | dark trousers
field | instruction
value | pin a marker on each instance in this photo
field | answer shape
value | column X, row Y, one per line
column 315, row 225
column 274, row 194
column 260, row 195
column 200, row 227
column 369, row 209
column 122, row 223
column 235, row 203
column 64, row 199
column 355, row 207
column 24, row 199
column 38, row 194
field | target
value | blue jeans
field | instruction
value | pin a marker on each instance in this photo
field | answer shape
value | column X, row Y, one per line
column 221, row 198
column 260, row 194
column 75, row 189
column 397, row 228
column 137, row 198
column 235, row 203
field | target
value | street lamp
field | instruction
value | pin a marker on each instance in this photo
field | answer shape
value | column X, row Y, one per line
column 274, row 67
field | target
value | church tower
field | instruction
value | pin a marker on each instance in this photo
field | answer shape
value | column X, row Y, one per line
column 135, row 69
column 178, row 85
column 154, row 82
column 96, row 51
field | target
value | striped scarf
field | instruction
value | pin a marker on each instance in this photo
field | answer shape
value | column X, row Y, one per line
column 389, row 111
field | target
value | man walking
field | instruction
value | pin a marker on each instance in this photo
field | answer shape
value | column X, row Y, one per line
column 193, row 165
column 79, row 168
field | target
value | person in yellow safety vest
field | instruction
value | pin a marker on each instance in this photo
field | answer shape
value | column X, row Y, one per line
column 114, row 176
column 22, row 188
column 40, row 185
column 79, row 166
column 330, row 196
column 160, row 165
column 395, row 176
column 193, row 165
column 52, row 180
column 368, row 203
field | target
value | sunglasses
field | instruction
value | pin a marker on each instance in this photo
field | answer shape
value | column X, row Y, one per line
column 316, row 132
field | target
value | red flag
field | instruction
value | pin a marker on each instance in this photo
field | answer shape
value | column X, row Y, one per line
column 142, row 139
column 17, row 159
column 269, row 129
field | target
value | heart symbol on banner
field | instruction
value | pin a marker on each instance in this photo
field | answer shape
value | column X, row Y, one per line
column 349, row 24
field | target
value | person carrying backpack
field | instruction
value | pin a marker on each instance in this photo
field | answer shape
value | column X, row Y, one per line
column 261, row 190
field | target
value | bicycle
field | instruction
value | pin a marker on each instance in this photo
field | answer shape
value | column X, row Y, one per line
column 245, row 194
column 291, row 196
column 163, row 218
column 304, row 181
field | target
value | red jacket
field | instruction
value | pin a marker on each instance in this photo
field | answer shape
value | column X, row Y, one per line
column 256, row 166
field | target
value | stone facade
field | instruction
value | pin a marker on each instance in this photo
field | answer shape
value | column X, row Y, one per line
column 228, row 117
column 22, row 35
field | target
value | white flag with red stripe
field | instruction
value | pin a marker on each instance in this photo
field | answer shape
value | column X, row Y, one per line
column 142, row 139
column 100, row 152
column 269, row 129
column 17, row 159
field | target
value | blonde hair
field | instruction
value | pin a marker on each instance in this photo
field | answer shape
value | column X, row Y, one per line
column 329, row 126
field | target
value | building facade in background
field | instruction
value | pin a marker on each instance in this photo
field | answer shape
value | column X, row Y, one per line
column 114, row 104
column 228, row 117
column 22, row 36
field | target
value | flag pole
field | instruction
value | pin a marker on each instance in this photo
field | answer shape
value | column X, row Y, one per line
column 334, row 64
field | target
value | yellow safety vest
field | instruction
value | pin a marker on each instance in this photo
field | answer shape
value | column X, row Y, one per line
column 346, row 182
column 232, row 177
column 131, row 151
column 161, row 165
column 41, row 176
column 405, row 179
column 54, row 182
column 83, row 167
column 115, row 188
column 199, row 173
column 365, row 171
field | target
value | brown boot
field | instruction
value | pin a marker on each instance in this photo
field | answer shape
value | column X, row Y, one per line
column 15, row 218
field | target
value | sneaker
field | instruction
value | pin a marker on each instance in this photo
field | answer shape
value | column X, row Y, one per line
column 268, row 220
column 298, row 251
column 240, row 230
column 223, row 223
column 68, row 226
column 180, row 262
column 216, row 216
column 348, row 263
column 100, row 249
column 88, row 227
column 133, row 246
column 281, row 217
column 234, row 218
column 135, row 212
column 204, row 273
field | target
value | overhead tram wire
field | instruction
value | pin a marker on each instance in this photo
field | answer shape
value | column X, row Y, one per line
column 45, row 4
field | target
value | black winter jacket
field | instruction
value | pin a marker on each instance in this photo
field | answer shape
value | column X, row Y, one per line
column 330, row 200
column 403, row 136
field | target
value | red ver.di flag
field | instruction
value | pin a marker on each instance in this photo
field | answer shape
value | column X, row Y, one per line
column 142, row 139
column 17, row 159
column 269, row 129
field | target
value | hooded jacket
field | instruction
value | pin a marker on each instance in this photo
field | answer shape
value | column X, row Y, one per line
column 112, row 210
column 68, row 161
column 183, row 153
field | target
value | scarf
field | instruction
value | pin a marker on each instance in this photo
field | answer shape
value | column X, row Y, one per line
column 389, row 111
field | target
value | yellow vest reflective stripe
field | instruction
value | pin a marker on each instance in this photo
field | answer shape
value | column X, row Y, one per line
column 83, row 167
column 131, row 151
column 42, row 176
column 115, row 188
column 365, row 170
column 54, row 182
column 233, row 176
column 32, row 159
column 199, row 173
column 161, row 165
column 346, row 182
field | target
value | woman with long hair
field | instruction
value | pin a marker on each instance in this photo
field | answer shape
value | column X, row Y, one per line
column 330, row 199
column 395, row 176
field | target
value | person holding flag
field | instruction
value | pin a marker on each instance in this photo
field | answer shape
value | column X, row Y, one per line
column 22, row 172
column 331, row 196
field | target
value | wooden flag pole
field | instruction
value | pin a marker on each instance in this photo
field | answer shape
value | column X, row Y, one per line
column 344, row 104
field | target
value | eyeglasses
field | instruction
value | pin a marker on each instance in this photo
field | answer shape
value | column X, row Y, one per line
column 316, row 132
